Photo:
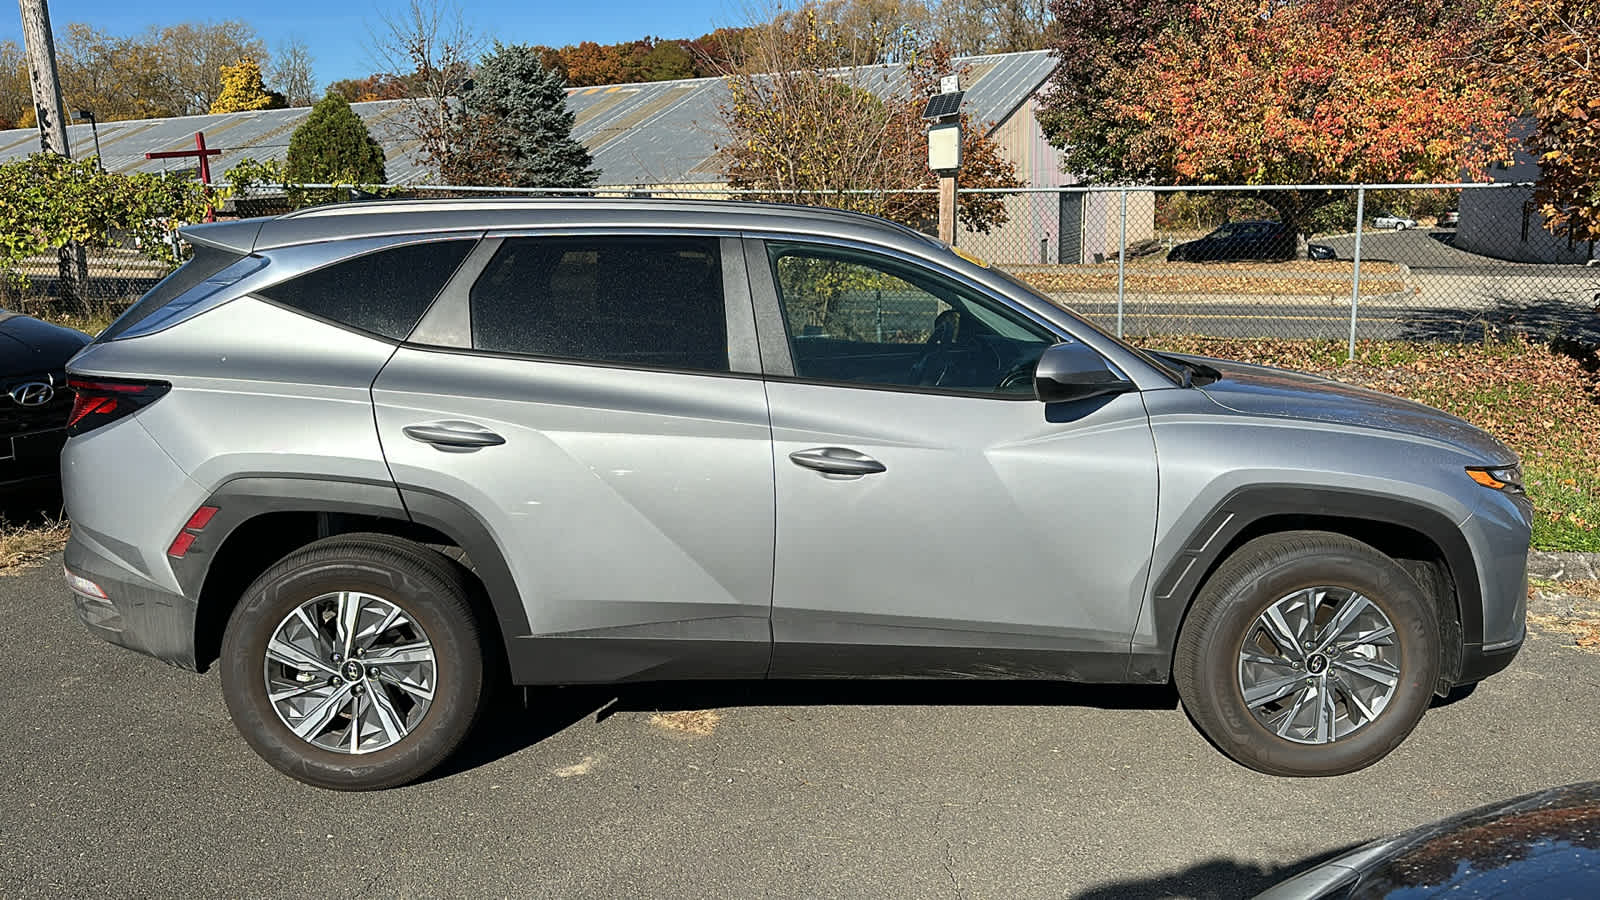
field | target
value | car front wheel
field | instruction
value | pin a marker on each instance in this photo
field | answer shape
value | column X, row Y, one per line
column 355, row 663
column 1308, row 653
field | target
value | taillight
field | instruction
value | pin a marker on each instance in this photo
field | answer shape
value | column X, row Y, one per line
column 104, row 400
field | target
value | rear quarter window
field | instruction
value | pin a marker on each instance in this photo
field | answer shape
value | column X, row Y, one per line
column 384, row 292
column 206, row 262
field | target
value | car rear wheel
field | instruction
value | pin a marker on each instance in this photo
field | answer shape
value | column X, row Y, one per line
column 355, row 663
column 1308, row 653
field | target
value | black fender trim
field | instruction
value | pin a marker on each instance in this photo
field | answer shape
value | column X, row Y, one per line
column 453, row 519
column 245, row 497
column 1180, row 581
column 248, row 497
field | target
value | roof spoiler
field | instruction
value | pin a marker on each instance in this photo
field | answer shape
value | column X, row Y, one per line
column 236, row 237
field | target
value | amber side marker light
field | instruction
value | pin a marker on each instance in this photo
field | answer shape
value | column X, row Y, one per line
column 1500, row 478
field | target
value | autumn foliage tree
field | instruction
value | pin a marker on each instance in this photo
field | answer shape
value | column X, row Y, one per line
column 243, row 90
column 1546, row 54
column 802, row 130
column 1245, row 92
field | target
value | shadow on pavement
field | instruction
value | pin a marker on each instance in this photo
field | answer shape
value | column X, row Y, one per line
column 1575, row 320
column 519, row 719
column 1212, row 878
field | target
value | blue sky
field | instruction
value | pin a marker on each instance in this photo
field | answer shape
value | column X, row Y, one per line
column 337, row 32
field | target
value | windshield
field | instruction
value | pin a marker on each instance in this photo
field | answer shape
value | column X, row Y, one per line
column 1166, row 367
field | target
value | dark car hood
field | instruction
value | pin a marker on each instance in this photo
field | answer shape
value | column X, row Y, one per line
column 29, row 346
column 1264, row 391
column 1545, row 844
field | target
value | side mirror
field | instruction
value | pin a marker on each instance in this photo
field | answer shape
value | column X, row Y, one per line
column 1073, row 371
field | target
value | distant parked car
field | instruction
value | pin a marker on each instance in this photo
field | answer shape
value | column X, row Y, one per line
column 37, row 402
column 1450, row 218
column 1545, row 844
column 1393, row 222
column 1239, row 240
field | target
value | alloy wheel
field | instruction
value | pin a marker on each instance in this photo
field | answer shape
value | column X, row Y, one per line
column 350, row 672
column 1319, row 664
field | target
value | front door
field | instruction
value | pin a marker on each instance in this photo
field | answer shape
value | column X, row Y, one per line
column 934, row 518
column 598, row 415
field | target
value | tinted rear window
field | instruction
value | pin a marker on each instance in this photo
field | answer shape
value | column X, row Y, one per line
column 384, row 292
column 644, row 301
column 206, row 262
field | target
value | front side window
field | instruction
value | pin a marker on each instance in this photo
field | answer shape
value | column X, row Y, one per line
column 384, row 292
column 653, row 302
column 861, row 318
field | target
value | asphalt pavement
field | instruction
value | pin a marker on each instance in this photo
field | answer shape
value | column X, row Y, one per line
column 122, row 777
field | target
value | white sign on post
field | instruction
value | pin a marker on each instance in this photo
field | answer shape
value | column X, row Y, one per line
column 949, row 84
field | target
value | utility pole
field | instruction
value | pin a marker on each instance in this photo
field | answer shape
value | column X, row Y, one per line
column 944, row 149
column 40, row 48
column 72, row 267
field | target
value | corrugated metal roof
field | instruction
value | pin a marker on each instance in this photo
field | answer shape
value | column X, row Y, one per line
column 663, row 132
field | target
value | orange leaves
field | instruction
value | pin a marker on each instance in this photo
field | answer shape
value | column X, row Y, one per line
column 1362, row 90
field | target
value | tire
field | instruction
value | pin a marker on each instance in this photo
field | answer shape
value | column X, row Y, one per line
column 401, row 730
column 1229, row 619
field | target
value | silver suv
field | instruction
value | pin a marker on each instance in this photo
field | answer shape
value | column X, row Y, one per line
column 373, row 459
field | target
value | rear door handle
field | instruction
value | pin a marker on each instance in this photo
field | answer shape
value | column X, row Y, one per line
column 837, row 461
column 455, row 437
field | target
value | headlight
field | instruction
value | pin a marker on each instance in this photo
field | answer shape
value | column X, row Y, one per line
column 1501, row 478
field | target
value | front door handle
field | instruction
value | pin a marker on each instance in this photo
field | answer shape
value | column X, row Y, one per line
column 837, row 461
column 456, row 437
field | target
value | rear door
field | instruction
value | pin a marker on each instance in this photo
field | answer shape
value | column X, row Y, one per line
column 594, row 400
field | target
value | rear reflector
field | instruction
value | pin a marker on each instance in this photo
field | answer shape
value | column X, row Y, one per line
column 201, row 518
column 191, row 530
column 181, row 544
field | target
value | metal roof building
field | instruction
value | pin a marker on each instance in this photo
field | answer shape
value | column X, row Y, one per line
column 666, row 134
column 657, row 133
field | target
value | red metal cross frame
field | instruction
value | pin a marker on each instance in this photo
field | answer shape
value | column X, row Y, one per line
column 200, row 152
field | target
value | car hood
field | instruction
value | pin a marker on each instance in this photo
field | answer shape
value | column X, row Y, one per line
column 29, row 346
column 1264, row 391
column 1543, row 844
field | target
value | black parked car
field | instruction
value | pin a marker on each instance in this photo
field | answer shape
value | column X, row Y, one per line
column 1544, row 845
column 37, row 401
column 1239, row 240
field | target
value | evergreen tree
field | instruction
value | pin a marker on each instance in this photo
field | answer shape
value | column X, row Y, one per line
column 513, row 128
column 332, row 146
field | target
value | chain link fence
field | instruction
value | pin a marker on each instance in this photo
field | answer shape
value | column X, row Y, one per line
column 1423, row 262
column 83, row 285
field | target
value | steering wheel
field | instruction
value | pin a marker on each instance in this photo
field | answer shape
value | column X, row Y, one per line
column 1018, row 375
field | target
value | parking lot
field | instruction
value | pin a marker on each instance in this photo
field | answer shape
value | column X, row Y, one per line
column 124, row 777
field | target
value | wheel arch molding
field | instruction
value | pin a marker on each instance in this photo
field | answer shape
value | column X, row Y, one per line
column 1393, row 525
column 262, row 518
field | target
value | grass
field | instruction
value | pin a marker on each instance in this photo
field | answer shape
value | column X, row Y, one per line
column 91, row 322
column 24, row 546
column 1541, row 400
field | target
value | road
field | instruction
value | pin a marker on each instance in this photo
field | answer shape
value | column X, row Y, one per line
column 123, row 777
column 1451, row 294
